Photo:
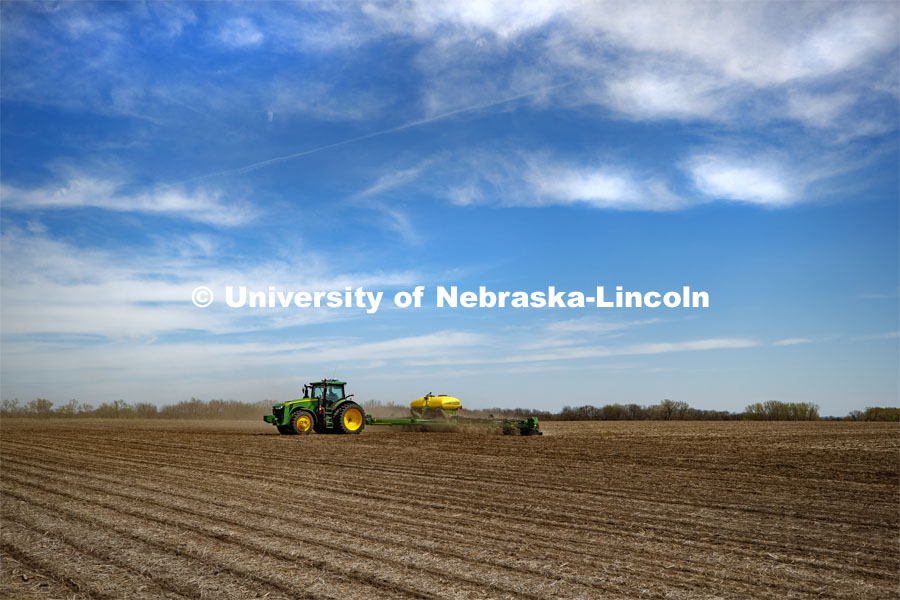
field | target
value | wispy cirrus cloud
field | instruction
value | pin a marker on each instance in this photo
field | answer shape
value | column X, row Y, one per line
column 511, row 178
column 792, row 341
column 652, row 68
column 881, row 296
column 240, row 32
column 593, row 325
column 884, row 335
column 81, row 190
column 397, row 178
column 819, row 66
column 54, row 287
column 588, row 353
column 391, row 215
column 523, row 179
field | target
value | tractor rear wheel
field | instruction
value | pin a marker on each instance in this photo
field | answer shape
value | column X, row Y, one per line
column 302, row 422
column 349, row 418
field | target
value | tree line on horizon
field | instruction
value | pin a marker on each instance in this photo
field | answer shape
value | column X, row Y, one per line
column 119, row 409
column 666, row 410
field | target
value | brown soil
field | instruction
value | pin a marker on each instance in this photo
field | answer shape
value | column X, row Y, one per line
column 156, row 509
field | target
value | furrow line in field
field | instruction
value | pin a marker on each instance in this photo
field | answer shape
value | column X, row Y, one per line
column 714, row 541
column 87, row 546
column 416, row 525
column 251, row 540
column 633, row 505
column 688, row 572
column 49, row 566
column 665, row 523
column 171, row 537
column 640, row 509
column 495, row 475
column 626, row 494
column 409, row 535
column 872, row 556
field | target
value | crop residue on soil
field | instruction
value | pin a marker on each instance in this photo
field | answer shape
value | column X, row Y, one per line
column 154, row 509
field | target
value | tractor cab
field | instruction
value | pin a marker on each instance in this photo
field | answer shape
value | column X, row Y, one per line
column 326, row 392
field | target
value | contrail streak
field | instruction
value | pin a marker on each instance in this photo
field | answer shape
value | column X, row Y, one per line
column 278, row 159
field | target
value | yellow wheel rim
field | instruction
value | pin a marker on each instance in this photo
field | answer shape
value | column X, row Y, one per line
column 304, row 423
column 353, row 419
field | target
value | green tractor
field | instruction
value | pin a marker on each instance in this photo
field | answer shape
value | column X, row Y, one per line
column 324, row 409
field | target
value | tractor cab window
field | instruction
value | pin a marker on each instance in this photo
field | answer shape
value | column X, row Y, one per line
column 335, row 393
column 326, row 393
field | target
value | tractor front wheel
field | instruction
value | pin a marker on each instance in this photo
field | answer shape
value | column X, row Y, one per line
column 285, row 430
column 349, row 418
column 302, row 422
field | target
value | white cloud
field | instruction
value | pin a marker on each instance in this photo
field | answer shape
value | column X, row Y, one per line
column 537, row 179
column 646, row 60
column 392, row 216
column 577, row 333
column 600, row 187
column 394, row 219
column 92, row 319
column 757, row 42
column 757, row 181
column 394, row 179
column 881, row 295
column 557, row 352
column 240, row 32
column 819, row 109
column 85, row 191
column 592, row 325
column 792, row 341
column 688, row 346
column 173, row 17
column 330, row 101
column 847, row 38
column 662, row 95
column 651, row 60
column 885, row 335
column 52, row 287
column 502, row 18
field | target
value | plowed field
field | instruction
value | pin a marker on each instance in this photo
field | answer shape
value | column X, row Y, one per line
column 157, row 509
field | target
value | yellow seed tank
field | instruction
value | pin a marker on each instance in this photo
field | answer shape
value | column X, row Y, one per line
column 448, row 404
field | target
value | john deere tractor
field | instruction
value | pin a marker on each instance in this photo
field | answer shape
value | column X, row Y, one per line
column 324, row 409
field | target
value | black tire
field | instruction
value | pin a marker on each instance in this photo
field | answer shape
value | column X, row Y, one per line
column 302, row 422
column 349, row 418
column 285, row 430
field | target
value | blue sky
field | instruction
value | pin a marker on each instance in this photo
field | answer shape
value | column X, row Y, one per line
column 745, row 149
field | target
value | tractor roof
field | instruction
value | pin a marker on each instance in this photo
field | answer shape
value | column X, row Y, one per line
column 328, row 382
